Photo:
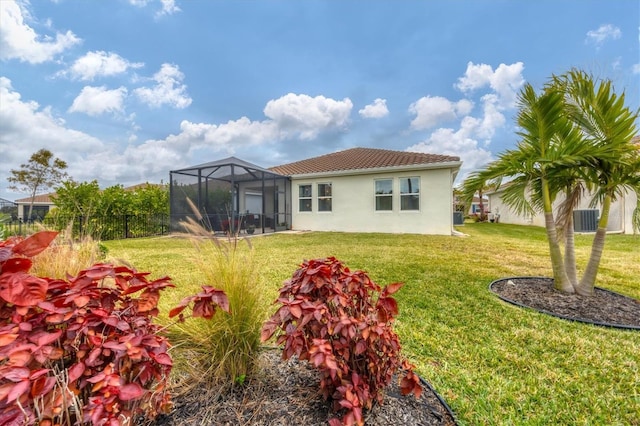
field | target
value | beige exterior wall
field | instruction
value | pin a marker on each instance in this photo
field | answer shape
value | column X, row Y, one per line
column 353, row 204
column 23, row 209
column 628, row 205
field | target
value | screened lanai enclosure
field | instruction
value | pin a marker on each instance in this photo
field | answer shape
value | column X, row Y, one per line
column 231, row 196
column 8, row 210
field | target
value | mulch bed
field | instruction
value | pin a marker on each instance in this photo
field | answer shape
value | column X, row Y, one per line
column 286, row 393
column 603, row 307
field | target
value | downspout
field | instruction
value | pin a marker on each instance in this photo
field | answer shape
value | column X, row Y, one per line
column 264, row 207
column 171, row 201
column 451, row 180
column 623, row 213
column 199, row 190
column 233, row 205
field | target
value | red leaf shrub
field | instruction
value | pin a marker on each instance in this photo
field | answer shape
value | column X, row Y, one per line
column 85, row 342
column 331, row 317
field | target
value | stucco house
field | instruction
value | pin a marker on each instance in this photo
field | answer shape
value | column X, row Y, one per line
column 42, row 203
column 585, row 217
column 373, row 190
column 355, row 190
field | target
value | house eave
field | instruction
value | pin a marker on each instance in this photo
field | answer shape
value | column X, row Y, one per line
column 455, row 165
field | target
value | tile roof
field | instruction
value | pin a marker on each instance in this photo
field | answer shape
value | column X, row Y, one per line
column 360, row 159
column 42, row 198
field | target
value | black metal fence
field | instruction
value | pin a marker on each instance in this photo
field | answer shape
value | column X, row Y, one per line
column 98, row 227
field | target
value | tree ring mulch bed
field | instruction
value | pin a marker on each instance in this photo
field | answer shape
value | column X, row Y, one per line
column 285, row 393
column 604, row 307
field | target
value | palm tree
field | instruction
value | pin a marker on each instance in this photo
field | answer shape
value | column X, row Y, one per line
column 574, row 137
column 538, row 157
column 609, row 125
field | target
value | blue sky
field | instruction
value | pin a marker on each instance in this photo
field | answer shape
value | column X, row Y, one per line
column 127, row 90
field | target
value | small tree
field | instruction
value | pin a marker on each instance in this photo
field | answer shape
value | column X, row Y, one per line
column 77, row 198
column 150, row 199
column 575, row 135
column 42, row 172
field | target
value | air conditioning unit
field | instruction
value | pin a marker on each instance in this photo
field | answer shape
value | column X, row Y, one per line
column 585, row 220
column 458, row 218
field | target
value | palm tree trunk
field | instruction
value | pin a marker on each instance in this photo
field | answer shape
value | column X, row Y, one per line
column 561, row 281
column 588, row 281
column 481, row 205
column 560, row 278
column 570, row 252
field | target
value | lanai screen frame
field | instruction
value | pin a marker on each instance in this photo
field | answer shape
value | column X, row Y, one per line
column 238, row 178
column 9, row 207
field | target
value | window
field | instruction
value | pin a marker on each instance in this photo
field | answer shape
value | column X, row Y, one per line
column 410, row 193
column 324, row 197
column 384, row 194
column 304, row 197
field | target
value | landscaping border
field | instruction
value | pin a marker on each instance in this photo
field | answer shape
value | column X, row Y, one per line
column 442, row 401
column 564, row 317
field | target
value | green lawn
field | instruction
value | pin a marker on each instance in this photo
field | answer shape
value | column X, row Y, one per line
column 493, row 363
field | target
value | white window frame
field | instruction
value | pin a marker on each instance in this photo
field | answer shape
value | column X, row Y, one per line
column 377, row 196
column 325, row 197
column 305, row 198
column 415, row 193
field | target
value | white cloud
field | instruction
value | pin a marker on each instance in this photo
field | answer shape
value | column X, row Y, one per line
column 492, row 118
column 88, row 158
column 460, row 143
column 168, row 7
column 222, row 137
column 377, row 109
column 25, row 128
column 20, row 41
column 603, row 33
column 168, row 89
column 100, row 64
column 636, row 68
column 98, row 100
column 305, row 116
column 473, row 135
column 291, row 116
column 475, row 77
column 506, row 81
column 288, row 117
column 432, row 111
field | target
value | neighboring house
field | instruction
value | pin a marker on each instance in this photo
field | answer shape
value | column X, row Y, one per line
column 356, row 190
column 474, row 208
column 585, row 217
column 41, row 205
column 373, row 190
